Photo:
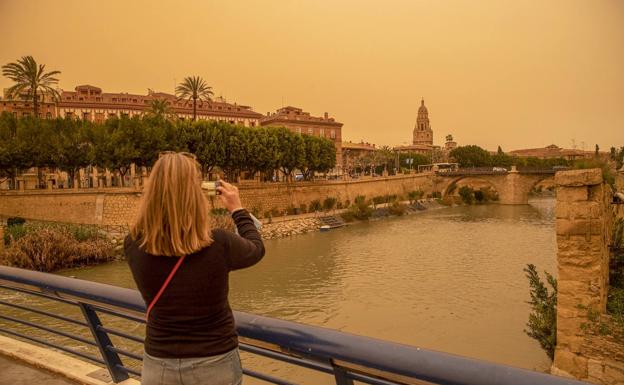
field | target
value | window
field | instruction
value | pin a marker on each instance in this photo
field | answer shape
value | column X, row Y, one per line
column 98, row 99
column 310, row 131
column 14, row 114
column 25, row 113
column 68, row 98
column 48, row 115
column 332, row 134
column 86, row 115
column 322, row 133
column 134, row 100
column 81, row 99
column 298, row 130
column 231, row 122
column 114, row 99
column 252, row 124
column 69, row 115
column 112, row 114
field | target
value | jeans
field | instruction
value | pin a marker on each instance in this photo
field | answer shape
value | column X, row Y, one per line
column 224, row 369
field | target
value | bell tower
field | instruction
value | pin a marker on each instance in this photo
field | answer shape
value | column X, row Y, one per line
column 423, row 134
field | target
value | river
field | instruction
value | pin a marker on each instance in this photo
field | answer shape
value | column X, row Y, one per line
column 449, row 279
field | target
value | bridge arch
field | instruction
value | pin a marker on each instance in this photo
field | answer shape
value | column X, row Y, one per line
column 512, row 187
column 476, row 182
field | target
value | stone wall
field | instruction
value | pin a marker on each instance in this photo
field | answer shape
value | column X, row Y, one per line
column 584, row 221
column 119, row 206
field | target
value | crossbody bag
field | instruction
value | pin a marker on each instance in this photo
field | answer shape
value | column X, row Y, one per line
column 164, row 286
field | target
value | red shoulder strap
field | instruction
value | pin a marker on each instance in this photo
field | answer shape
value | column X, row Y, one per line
column 164, row 286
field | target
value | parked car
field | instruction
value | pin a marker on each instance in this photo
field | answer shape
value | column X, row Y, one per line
column 499, row 169
column 298, row 177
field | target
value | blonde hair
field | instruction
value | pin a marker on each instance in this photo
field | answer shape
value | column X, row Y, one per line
column 173, row 214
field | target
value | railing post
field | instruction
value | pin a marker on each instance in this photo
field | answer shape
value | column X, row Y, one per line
column 340, row 374
column 112, row 360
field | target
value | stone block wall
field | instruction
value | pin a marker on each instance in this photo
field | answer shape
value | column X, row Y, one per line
column 110, row 206
column 583, row 223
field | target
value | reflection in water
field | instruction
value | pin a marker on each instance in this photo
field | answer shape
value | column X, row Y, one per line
column 448, row 279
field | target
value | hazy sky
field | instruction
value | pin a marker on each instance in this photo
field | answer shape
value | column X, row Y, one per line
column 515, row 73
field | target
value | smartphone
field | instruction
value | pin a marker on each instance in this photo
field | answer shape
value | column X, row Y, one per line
column 211, row 187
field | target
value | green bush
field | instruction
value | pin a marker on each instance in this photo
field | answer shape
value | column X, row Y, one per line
column 479, row 196
column 361, row 209
column 467, row 195
column 275, row 212
column 219, row 211
column 303, row 208
column 347, row 203
column 377, row 200
column 314, row 206
column 13, row 233
column 397, row 208
column 415, row 195
column 12, row 221
column 338, row 205
column 348, row 216
column 542, row 324
column 290, row 210
column 329, row 203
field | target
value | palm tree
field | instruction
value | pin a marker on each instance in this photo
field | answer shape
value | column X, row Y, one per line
column 194, row 88
column 32, row 78
column 160, row 108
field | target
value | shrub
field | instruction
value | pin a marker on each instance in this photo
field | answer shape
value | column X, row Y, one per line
column 347, row 203
column 315, row 205
column 275, row 212
column 361, row 209
column 12, row 221
column 348, row 216
column 379, row 200
column 290, row 210
column 413, row 196
column 55, row 247
column 542, row 324
column 303, row 208
column 397, row 208
column 338, row 205
column 329, row 203
column 467, row 194
column 219, row 211
column 13, row 233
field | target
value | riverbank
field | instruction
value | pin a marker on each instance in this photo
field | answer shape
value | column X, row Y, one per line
column 287, row 226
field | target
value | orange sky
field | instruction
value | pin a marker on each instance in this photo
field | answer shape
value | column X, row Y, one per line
column 509, row 72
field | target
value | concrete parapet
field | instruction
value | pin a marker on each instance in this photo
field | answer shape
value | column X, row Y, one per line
column 583, row 224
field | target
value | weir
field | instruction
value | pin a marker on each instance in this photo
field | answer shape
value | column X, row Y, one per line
column 346, row 357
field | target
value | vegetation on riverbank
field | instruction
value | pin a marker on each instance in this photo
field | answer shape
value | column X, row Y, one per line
column 49, row 247
column 542, row 324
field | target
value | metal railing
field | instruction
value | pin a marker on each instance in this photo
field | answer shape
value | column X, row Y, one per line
column 345, row 356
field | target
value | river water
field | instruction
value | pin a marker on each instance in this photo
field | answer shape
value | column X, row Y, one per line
column 448, row 279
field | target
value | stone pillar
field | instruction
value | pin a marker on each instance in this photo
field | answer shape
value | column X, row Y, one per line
column 583, row 226
column 94, row 177
column 107, row 174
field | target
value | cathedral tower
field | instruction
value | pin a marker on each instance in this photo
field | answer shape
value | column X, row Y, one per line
column 423, row 134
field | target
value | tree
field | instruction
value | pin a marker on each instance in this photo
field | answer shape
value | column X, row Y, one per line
column 192, row 89
column 160, row 109
column 71, row 146
column 31, row 78
column 613, row 153
column 291, row 150
column 500, row 151
column 471, row 156
column 542, row 323
column 597, row 151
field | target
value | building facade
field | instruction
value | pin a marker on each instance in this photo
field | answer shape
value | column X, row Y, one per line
column 554, row 151
column 90, row 103
column 301, row 122
column 354, row 154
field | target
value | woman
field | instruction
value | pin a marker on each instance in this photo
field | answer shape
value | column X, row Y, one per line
column 190, row 336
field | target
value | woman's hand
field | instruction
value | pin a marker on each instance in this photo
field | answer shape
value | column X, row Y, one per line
column 229, row 196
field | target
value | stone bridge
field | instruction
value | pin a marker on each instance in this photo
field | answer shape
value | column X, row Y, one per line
column 513, row 187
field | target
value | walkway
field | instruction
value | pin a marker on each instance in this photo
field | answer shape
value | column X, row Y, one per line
column 17, row 373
